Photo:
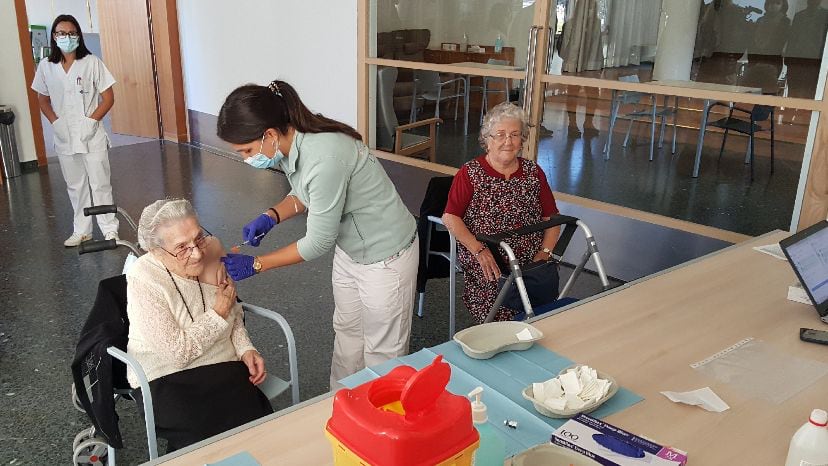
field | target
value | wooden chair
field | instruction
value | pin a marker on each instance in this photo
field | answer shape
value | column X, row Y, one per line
column 395, row 137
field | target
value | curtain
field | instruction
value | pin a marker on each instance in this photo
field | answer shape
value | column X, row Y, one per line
column 582, row 48
column 633, row 25
column 387, row 17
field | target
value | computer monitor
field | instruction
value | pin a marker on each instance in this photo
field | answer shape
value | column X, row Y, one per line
column 807, row 252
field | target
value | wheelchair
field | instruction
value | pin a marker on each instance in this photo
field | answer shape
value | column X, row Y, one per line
column 100, row 363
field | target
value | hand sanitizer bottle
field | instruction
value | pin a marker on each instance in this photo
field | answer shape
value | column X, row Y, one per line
column 492, row 449
column 809, row 444
column 498, row 44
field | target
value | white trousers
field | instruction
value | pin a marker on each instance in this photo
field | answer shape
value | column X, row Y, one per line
column 83, row 172
column 372, row 317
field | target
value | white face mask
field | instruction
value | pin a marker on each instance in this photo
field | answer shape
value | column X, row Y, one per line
column 260, row 160
column 68, row 44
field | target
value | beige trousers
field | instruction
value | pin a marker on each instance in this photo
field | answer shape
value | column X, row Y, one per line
column 373, row 308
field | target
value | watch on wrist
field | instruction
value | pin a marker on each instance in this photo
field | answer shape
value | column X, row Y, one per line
column 257, row 265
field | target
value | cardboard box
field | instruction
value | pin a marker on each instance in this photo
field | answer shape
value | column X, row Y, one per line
column 611, row 446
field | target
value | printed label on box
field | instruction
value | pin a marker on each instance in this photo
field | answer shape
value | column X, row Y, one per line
column 611, row 446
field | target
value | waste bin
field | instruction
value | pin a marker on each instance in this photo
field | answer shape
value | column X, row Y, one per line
column 8, row 144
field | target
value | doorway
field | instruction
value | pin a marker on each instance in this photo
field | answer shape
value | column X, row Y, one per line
column 145, row 61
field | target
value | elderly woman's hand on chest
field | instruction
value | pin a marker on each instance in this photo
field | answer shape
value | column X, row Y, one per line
column 226, row 293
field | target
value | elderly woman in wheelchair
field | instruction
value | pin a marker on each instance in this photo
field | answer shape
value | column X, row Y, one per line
column 186, row 330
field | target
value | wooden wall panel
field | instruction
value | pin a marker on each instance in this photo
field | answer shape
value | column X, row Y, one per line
column 125, row 41
column 29, row 72
column 168, row 66
column 815, row 199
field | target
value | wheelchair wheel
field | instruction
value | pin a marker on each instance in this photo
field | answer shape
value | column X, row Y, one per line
column 83, row 436
column 91, row 452
column 76, row 400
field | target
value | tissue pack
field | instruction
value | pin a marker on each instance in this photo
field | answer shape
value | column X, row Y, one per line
column 611, row 446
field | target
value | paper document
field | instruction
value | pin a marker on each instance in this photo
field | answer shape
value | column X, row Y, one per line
column 797, row 294
column 772, row 250
column 703, row 397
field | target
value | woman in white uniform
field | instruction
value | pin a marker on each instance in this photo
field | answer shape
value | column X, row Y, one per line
column 75, row 93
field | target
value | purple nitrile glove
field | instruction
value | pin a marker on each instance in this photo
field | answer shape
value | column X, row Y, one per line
column 239, row 266
column 254, row 231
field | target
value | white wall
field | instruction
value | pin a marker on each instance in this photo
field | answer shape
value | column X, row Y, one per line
column 41, row 12
column 13, row 85
column 308, row 43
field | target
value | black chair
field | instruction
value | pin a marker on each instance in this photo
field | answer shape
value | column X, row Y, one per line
column 436, row 241
column 758, row 114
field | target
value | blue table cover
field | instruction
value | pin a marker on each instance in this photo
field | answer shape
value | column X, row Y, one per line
column 503, row 378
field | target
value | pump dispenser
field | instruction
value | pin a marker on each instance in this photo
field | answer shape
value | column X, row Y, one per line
column 492, row 450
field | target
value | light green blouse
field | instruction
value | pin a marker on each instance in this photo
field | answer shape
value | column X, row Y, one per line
column 350, row 199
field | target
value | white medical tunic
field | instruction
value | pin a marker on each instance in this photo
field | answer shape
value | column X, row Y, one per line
column 75, row 95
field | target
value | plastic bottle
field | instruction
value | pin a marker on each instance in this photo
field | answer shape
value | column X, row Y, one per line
column 492, row 449
column 464, row 47
column 809, row 445
column 498, row 44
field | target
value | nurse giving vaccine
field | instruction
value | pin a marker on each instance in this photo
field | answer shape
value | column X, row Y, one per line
column 351, row 206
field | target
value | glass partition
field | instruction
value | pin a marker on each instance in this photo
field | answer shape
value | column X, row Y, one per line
column 451, row 31
column 410, row 99
column 580, row 158
column 773, row 45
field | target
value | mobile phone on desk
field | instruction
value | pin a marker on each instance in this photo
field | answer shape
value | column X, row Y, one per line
column 813, row 336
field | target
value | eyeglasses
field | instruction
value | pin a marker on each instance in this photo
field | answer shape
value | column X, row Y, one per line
column 184, row 252
column 501, row 137
column 62, row 35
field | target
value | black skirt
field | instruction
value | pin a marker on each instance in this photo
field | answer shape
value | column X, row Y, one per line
column 197, row 403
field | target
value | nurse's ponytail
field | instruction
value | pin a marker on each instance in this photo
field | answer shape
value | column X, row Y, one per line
column 250, row 110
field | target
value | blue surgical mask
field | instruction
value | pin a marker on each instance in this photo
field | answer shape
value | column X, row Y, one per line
column 67, row 44
column 260, row 160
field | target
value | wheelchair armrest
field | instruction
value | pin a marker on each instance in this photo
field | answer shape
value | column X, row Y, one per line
column 146, row 395
column 291, row 342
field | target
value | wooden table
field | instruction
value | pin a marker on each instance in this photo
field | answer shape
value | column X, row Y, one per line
column 707, row 104
column 646, row 334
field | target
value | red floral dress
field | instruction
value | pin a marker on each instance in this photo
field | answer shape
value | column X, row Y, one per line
column 495, row 205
